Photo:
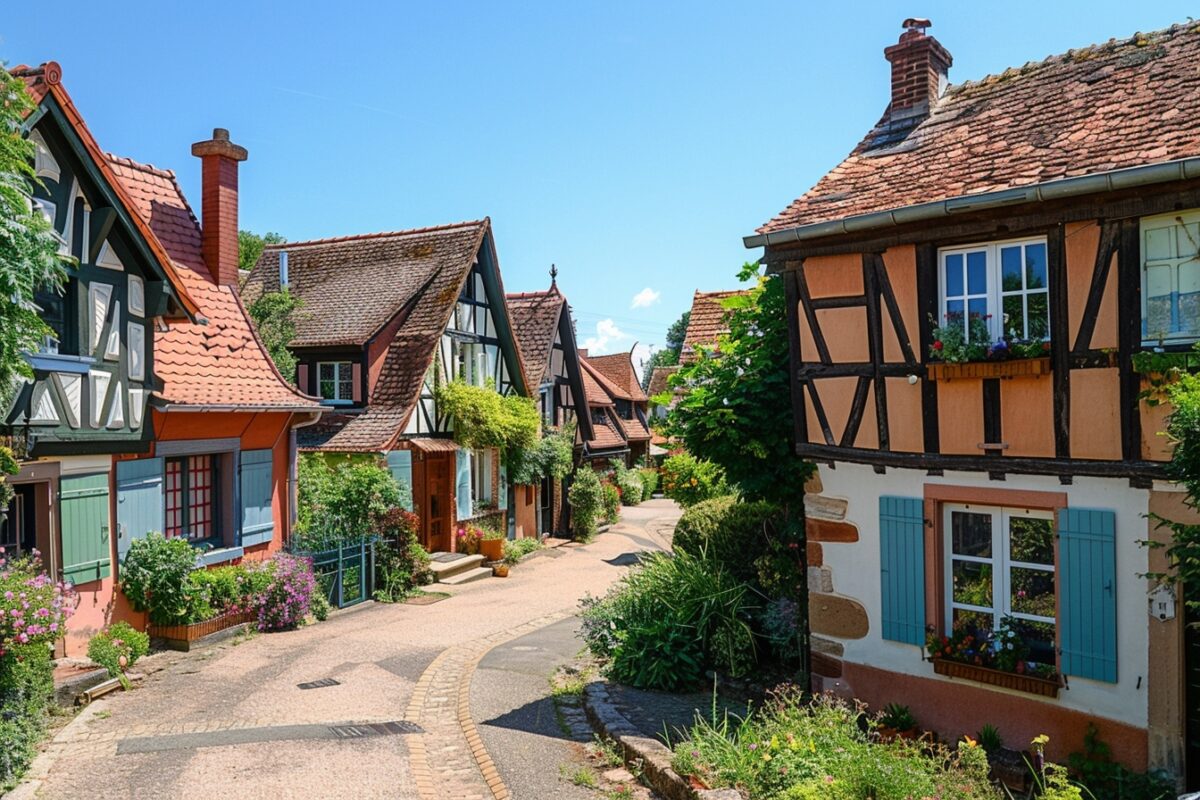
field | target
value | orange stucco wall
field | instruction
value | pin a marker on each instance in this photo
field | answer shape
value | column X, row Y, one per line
column 1027, row 416
column 960, row 417
column 901, row 266
column 904, row 415
column 834, row 276
column 1083, row 239
column 1096, row 427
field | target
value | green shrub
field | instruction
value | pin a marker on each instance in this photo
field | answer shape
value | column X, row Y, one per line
column 119, row 639
column 343, row 504
column 401, row 564
column 688, row 480
column 587, row 503
column 649, row 482
column 516, row 549
column 610, row 497
column 154, row 576
column 26, row 686
column 1095, row 769
column 629, row 482
column 730, row 532
column 669, row 619
column 226, row 589
column 802, row 750
column 551, row 457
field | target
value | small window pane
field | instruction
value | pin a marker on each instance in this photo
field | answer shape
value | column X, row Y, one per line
column 1040, row 638
column 1032, row 591
column 1038, row 315
column 977, row 308
column 1035, row 266
column 954, row 309
column 975, row 622
column 1031, row 540
column 977, row 272
column 1014, row 316
column 971, row 534
column 1159, row 244
column 972, row 583
column 1010, row 268
column 954, row 275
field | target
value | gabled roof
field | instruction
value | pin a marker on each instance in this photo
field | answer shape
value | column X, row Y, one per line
column 658, row 379
column 618, row 368
column 706, row 322
column 352, row 286
column 611, row 391
column 608, row 434
column 1125, row 103
column 535, row 317
column 596, row 382
column 46, row 81
column 222, row 363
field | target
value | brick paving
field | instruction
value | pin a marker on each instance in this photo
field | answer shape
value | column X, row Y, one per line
column 392, row 662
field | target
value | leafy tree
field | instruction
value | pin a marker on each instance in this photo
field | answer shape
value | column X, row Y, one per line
column 250, row 247
column 29, row 258
column 274, row 319
column 676, row 332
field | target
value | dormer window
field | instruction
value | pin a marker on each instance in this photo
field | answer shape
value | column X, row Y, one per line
column 1171, row 278
column 335, row 381
column 1000, row 288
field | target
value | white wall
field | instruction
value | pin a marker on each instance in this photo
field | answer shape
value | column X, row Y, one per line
column 855, row 569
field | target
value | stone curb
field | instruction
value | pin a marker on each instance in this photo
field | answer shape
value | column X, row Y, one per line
column 654, row 756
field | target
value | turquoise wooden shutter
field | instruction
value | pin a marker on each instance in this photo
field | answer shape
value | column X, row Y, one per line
column 86, row 549
column 257, row 489
column 502, row 504
column 902, row 568
column 1087, row 554
column 139, row 501
column 400, row 465
column 462, row 486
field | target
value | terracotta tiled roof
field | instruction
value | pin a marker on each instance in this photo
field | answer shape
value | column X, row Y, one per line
column 618, row 368
column 352, row 286
column 594, row 392
column 658, row 379
column 634, row 430
column 607, row 435
column 1125, row 103
column 221, row 363
column 611, row 390
column 535, row 317
column 706, row 322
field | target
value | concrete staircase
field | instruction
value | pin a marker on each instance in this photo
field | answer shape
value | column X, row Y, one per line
column 456, row 568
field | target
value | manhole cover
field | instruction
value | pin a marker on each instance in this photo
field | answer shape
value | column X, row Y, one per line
column 375, row 729
column 321, row 684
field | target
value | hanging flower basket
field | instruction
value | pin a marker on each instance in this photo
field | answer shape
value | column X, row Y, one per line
column 1030, row 684
column 1022, row 367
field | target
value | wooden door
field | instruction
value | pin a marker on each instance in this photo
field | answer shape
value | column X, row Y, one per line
column 437, row 501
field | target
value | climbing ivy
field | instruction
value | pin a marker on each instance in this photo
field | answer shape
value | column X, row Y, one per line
column 483, row 418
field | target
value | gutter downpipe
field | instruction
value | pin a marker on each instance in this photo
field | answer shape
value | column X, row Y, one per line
column 1112, row 180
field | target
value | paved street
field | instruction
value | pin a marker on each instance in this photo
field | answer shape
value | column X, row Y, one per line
column 230, row 721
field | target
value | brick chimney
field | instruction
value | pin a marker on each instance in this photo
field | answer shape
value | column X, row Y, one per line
column 919, row 70
column 219, row 159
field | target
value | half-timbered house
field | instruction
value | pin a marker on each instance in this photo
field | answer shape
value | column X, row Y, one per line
column 968, row 290
column 620, row 430
column 385, row 318
column 153, row 406
column 546, row 335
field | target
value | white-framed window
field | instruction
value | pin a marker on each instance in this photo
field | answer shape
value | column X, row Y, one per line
column 481, row 478
column 335, row 381
column 1000, row 565
column 1004, row 284
column 1171, row 278
column 471, row 363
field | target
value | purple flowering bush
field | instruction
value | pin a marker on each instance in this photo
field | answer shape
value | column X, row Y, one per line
column 288, row 596
column 33, row 606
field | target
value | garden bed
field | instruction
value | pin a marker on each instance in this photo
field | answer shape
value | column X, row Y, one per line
column 1022, row 367
column 185, row 637
column 1031, row 684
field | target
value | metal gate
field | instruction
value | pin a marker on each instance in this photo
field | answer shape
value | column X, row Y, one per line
column 345, row 574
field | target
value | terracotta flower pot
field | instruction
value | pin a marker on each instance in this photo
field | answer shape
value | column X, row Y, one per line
column 492, row 549
column 500, row 570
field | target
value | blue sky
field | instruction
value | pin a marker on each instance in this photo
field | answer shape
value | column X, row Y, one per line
column 633, row 144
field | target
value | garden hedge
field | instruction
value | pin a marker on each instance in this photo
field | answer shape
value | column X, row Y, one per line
column 728, row 532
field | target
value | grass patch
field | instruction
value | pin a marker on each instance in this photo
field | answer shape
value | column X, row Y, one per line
column 580, row 776
column 605, row 751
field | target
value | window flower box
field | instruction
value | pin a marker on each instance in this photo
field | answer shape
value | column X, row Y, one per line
column 184, row 637
column 1030, row 684
column 1022, row 367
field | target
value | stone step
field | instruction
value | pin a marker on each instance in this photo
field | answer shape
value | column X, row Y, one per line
column 453, row 566
column 475, row 574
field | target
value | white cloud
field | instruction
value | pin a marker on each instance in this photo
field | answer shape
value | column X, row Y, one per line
column 607, row 334
column 645, row 298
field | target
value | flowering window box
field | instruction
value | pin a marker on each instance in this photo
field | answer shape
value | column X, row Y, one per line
column 1021, row 367
column 184, row 637
column 1031, row 684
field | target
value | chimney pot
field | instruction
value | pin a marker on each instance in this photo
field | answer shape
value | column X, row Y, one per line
column 920, row 67
column 219, row 160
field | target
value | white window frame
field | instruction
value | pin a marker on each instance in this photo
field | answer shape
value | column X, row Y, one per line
column 1191, row 236
column 337, row 399
column 993, row 293
column 481, row 476
column 1000, row 561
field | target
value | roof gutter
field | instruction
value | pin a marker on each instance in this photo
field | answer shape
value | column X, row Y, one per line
column 206, row 409
column 1062, row 188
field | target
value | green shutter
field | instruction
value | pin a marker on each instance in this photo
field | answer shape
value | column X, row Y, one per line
column 462, row 484
column 257, row 488
column 400, row 464
column 902, row 568
column 502, row 504
column 139, row 501
column 86, row 549
column 1087, row 554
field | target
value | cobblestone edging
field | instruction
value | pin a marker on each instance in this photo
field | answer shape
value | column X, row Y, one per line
column 449, row 760
column 653, row 756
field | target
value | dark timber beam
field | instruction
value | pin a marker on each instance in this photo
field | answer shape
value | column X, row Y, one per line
column 810, row 314
column 1129, row 335
column 791, row 290
column 1060, row 338
column 927, row 312
column 875, row 345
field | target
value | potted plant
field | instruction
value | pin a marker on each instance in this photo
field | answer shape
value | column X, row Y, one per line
column 958, row 351
column 897, row 722
column 468, row 538
column 492, row 545
column 1000, row 658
